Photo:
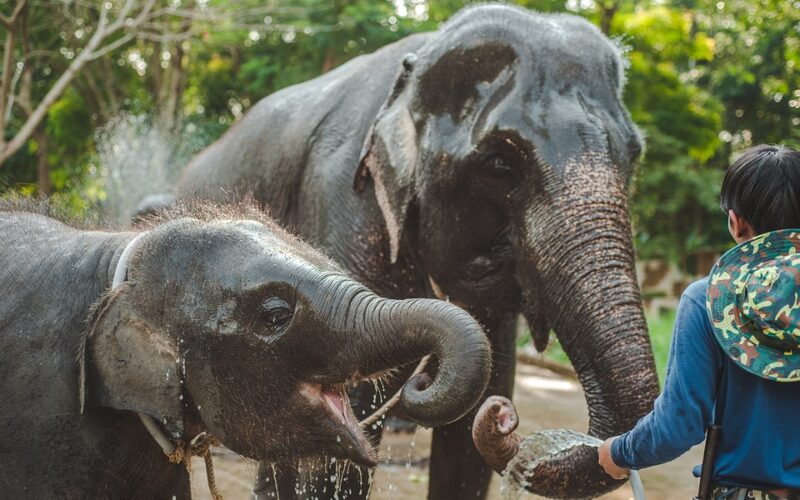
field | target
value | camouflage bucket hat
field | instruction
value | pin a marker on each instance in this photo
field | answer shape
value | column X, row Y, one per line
column 754, row 304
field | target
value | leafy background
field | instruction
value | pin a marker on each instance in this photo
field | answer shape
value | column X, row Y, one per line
column 706, row 80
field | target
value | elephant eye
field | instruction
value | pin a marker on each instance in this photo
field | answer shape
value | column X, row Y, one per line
column 276, row 312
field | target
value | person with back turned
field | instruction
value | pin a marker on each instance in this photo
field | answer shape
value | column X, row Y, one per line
column 735, row 356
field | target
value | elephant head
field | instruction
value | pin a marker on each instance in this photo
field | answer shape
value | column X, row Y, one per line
column 504, row 154
column 234, row 327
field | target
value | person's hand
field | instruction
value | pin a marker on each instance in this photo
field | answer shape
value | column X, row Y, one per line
column 607, row 463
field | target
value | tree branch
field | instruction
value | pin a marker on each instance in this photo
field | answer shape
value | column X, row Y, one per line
column 10, row 21
column 119, row 42
column 136, row 19
column 89, row 52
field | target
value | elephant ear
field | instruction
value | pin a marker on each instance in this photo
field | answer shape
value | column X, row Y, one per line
column 447, row 84
column 389, row 157
column 127, row 363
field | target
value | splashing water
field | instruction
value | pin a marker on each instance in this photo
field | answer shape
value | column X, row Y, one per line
column 389, row 475
column 137, row 157
column 532, row 449
column 412, row 448
column 360, row 481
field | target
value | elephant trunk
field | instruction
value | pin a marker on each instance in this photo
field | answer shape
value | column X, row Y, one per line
column 493, row 432
column 378, row 334
column 588, row 263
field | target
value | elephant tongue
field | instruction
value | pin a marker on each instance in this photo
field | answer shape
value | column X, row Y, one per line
column 333, row 396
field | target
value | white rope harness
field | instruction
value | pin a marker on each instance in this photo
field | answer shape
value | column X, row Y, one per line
column 120, row 275
column 179, row 452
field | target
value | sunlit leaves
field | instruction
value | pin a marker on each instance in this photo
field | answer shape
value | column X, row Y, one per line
column 707, row 78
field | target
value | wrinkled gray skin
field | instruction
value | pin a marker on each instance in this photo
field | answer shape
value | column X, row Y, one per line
column 493, row 432
column 537, row 465
column 228, row 326
column 491, row 157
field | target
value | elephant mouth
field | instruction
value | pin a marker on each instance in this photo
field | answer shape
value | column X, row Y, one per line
column 348, row 440
column 336, row 397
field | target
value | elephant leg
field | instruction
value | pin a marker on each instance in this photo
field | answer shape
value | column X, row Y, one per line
column 457, row 469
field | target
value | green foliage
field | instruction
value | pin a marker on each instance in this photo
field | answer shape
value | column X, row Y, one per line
column 756, row 73
column 675, row 189
column 706, row 79
column 694, row 81
column 236, row 70
column 660, row 329
column 67, row 122
column 18, row 173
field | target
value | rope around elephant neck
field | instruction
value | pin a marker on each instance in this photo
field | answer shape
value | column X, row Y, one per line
column 176, row 451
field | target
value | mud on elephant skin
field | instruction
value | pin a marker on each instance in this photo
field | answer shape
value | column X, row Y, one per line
column 225, row 324
column 488, row 161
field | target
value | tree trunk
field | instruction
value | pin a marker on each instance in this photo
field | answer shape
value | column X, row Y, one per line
column 26, row 84
column 42, row 164
column 5, row 83
column 174, row 81
column 327, row 63
column 607, row 16
column 172, row 111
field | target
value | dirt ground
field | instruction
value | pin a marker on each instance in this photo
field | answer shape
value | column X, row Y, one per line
column 544, row 401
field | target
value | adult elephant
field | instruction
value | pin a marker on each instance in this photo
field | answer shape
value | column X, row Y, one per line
column 487, row 162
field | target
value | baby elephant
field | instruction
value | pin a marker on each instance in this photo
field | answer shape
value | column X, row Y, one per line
column 220, row 324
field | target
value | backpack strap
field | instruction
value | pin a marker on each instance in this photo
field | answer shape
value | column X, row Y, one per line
column 722, row 390
column 713, row 435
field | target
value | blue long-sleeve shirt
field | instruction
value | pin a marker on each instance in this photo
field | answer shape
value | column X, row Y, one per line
column 760, row 441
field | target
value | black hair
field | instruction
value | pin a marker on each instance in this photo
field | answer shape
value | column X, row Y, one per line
column 763, row 187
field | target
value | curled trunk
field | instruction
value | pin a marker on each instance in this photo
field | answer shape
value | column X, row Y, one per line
column 379, row 334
